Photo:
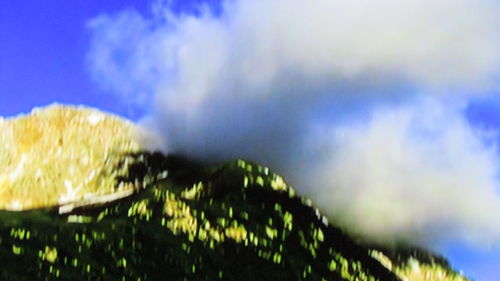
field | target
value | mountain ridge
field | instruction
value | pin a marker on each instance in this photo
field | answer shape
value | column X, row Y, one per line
column 184, row 220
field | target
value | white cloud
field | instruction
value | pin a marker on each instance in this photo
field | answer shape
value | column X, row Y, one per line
column 413, row 173
column 259, row 79
column 255, row 42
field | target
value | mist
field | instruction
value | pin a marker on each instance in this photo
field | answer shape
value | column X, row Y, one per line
column 360, row 105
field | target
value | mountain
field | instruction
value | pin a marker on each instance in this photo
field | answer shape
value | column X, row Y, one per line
column 147, row 216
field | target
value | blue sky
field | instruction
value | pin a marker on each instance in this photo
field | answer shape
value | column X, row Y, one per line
column 43, row 45
column 43, row 48
column 42, row 54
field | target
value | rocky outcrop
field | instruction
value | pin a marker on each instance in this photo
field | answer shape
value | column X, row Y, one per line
column 61, row 154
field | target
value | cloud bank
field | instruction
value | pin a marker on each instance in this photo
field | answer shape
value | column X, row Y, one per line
column 359, row 104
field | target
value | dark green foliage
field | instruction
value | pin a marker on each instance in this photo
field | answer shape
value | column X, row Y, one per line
column 239, row 223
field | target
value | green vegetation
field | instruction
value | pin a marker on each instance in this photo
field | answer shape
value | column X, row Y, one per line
column 233, row 221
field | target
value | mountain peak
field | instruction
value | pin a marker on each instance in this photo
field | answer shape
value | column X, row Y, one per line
column 106, row 209
column 60, row 154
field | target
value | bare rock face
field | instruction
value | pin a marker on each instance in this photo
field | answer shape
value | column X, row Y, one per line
column 62, row 154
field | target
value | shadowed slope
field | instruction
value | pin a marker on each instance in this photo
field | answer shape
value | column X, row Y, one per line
column 234, row 221
column 151, row 217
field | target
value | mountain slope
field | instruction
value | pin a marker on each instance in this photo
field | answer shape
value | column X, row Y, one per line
column 235, row 221
column 184, row 221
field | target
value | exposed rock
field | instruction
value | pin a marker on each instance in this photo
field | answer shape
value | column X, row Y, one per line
column 62, row 154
